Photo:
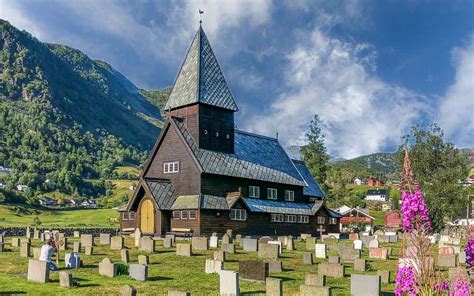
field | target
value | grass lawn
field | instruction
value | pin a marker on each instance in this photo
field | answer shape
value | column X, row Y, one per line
column 128, row 169
column 379, row 217
column 21, row 215
column 170, row 272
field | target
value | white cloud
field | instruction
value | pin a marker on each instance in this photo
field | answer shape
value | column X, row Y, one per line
column 456, row 108
column 334, row 79
column 12, row 12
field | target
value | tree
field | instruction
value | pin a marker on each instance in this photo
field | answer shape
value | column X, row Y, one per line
column 438, row 166
column 314, row 153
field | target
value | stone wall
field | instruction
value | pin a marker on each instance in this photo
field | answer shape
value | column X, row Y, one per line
column 68, row 231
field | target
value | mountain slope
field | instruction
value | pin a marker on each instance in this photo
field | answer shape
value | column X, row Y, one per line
column 89, row 93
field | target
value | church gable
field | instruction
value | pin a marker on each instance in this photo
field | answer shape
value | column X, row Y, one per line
column 171, row 160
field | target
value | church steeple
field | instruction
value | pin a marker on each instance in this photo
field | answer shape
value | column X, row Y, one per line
column 200, row 79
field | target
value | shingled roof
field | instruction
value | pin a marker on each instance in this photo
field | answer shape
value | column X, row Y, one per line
column 313, row 188
column 200, row 79
column 256, row 157
column 163, row 193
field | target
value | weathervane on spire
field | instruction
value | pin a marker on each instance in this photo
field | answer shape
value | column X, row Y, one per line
column 200, row 14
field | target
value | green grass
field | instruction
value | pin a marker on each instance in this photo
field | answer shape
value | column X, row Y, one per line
column 170, row 272
column 127, row 169
column 20, row 215
column 379, row 217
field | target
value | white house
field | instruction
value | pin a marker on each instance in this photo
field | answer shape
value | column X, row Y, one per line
column 48, row 201
column 21, row 188
column 377, row 195
column 358, row 181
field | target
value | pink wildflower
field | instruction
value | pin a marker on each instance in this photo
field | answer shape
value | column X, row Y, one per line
column 405, row 282
column 461, row 288
column 414, row 212
column 469, row 249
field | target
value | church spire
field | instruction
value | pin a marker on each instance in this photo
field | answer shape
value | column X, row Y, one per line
column 200, row 79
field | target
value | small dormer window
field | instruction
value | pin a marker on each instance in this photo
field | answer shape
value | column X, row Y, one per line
column 271, row 193
column 171, row 167
column 289, row 195
column 254, row 191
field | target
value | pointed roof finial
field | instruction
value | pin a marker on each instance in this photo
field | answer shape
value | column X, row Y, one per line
column 200, row 14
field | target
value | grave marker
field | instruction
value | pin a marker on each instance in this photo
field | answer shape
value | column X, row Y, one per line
column 125, row 256
column 147, row 244
column 104, row 239
column 335, row 270
column 365, row 285
column 144, row 260
column 183, row 250
column 214, row 266
column 228, row 248
column 107, row 268
column 320, row 250
column 312, row 279
column 65, row 279
column 273, row 287
column 250, row 245
column 199, row 243
column 229, row 283
column 268, row 251
column 138, row 272
column 38, row 271
column 308, row 258
column 116, row 243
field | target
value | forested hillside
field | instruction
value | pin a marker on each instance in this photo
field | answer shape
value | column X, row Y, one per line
column 65, row 120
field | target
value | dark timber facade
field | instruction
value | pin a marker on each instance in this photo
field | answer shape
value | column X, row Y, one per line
column 204, row 176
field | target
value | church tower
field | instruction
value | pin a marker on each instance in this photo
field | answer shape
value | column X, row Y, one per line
column 201, row 97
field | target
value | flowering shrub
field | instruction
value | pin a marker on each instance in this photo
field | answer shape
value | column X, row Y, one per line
column 469, row 249
column 414, row 212
column 405, row 281
column 461, row 287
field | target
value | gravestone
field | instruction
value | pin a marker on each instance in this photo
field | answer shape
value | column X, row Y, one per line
column 360, row 264
column 448, row 260
column 28, row 232
column 314, row 291
column 383, row 239
column 147, row 244
column 228, row 248
column 308, row 258
column 366, row 239
column 138, row 272
column 213, row 242
column 107, row 268
column 358, row 244
column 199, row 243
column 320, row 250
column 334, row 259
column 335, row 270
column 353, row 236
column 42, row 237
column 290, row 244
column 267, row 251
column 137, row 235
column 65, row 279
column 264, row 239
column 72, row 260
column 77, row 233
column 304, row 236
column 128, row 290
column 365, row 285
column 379, row 232
column 36, row 234
column 171, row 236
column 2, row 239
column 63, row 246
column 250, row 245
column 15, row 242
column 278, row 243
column 183, row 250
column 275, row 266
column 219, row 255
column 332, row 244
column 168, row 242
column 36, row 253
column 226, row 239
column 253, row 270
column 374, row 243
column 38, row 271
column 125, row 256
column 310, row 243
column 76, row 248
column 229, row 283
column 349, row 255
column 273, row 287
column 25, row 250
column 384, row 276
column 462, row 257
column 312, row 279
column 393, row 239
column 238, row 239
column 87, row 240
column 214, row 266
column 144, row 260
column 88, row 250
column 104, row 239
column 116, row 243
column 378, row 253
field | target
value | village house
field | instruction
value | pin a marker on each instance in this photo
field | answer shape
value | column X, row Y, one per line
column 21, row 188
column 375, row 182
column 377, row 195
column 353, row 218
column 358, row 181
column 205, row 176
column 46, row 201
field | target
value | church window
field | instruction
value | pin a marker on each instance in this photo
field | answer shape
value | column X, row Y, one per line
column 184, row 215
column 238, row 214
column 254, row 191
column 277, row 218
column 125, row 216
column 175, row 214
column 333, row 221
column 303, row 219
column 171, row 167
column 321, row 219
column 289, row 195
column 131, row 216
column 271, row 193
column 192, row 214
column 290, row 218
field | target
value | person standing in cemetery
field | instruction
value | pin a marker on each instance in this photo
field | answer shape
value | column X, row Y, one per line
column 47, row 251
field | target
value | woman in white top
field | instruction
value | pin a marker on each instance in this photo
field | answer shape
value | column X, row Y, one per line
column 47, row 252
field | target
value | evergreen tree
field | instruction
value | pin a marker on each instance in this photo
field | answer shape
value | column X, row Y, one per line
column 314, row 153
column 438, row 167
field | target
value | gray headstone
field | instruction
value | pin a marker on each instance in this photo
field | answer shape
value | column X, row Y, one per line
column 143, row 259
column 107, row 268
column 360, row 264
column 250, row 245
column 138, row 272
column 374, row 243
column 310, row 243
column 268, row 251
column 76, row 248
column 228, row 248
column 183, row 250
column 306, row 290
column 128, row 290
column 229, row 283
column 15, row 242
column 273, row 287
column 334, row 259
column 65, row 279
column 384, row 276
column 219, row 255
column 87, row 240
column 275, row 266
column 38, row 271
column 213, row 266
column 125, row 255
column 36, row 253
column 199, row 243
column 213, row 242
column 312, row 279
column 226, row 239
column 147, row 244
column 335, row 270
column 116, row 243
column 25, row 250
column 104, row 239
column 365, row 285
column 89, row 250
column 253, row 270
column 320, row 250
column 308, row 258
column 168, row 242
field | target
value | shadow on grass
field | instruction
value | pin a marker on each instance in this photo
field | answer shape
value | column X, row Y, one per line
column 90, row 266
column 87, row 285
column 159, row 278
column 253, row 293
column 12, row 292
column 387, row 293
column 283, row 278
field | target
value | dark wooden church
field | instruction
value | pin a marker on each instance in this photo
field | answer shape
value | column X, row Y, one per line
column 205, row 176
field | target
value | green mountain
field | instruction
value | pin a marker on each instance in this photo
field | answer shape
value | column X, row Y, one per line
column 66, row 119
column 377, row 164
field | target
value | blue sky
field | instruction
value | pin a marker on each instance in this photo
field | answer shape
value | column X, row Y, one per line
column 369, row 69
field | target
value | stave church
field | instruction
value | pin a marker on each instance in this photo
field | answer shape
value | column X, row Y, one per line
column 205, row 176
